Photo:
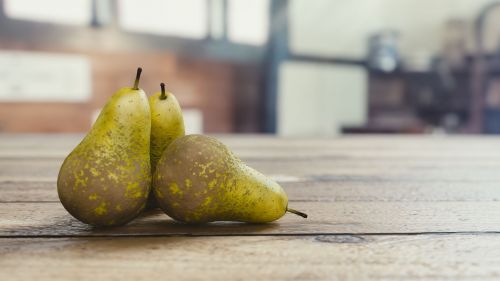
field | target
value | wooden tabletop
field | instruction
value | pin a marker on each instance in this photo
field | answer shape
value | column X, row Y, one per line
column 380, row 208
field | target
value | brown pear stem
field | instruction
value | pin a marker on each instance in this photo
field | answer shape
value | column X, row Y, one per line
column 163, row 96
column 298, row 213
column 137, row 78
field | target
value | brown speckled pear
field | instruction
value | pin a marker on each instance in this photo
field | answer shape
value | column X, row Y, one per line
column 106, row 179
column 167, row 124
column 198, row 179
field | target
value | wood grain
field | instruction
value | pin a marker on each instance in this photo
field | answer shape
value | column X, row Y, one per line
column 328, row 189
column 430, row 170
column 50, row 219
column 344, row 257
column 268, row 147
column 380, row 208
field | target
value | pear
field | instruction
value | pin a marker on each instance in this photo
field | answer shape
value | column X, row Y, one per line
column 105, row 180
column 198, row 179
column 167, row 124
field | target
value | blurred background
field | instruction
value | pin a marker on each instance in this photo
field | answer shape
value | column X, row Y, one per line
column 290, row 67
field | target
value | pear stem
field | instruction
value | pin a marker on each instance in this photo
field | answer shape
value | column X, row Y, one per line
column 137, row 78
column 163, row 96
column 298, row 213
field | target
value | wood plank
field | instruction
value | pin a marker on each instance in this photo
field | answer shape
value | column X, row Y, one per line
column 359, row 190
column 28, row 191
column 342, row 189
column 479, row 170
column 402, row 187
column 459, row 159
column 404, row 155
column 252, row 146
column 420, row 257
column 50, row 219
column 246, row 140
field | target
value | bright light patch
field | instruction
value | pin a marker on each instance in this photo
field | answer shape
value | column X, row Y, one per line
column 248, row 21
column 44, row 77
column 186, row 18
column 77, row 12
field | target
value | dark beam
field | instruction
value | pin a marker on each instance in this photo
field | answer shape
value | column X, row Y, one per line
column 210, row 20
column 479, row 70
column 224, row 20
column 2, row 13
column 326, row 60
column 277, row 52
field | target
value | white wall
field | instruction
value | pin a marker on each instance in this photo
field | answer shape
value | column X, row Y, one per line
column 314, row 100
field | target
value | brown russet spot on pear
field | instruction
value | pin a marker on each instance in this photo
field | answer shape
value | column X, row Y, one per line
column 212, row 184
column 167, row 124
column 106, row 179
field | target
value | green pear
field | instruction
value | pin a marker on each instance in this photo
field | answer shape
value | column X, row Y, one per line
column 198, row 179
column 167, row 124
column 105, row 180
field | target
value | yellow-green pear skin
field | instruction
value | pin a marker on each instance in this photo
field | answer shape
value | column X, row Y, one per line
column 167, row 124
column 105, row 180
column 198, row 180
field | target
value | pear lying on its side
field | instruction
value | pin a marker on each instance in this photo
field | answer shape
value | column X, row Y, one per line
column 106, row 179
column 167, row 124
column 198, row 179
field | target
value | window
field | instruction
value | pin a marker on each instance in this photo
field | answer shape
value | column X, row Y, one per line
column 248, row 21
column 186, row 18
column 77, row 12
